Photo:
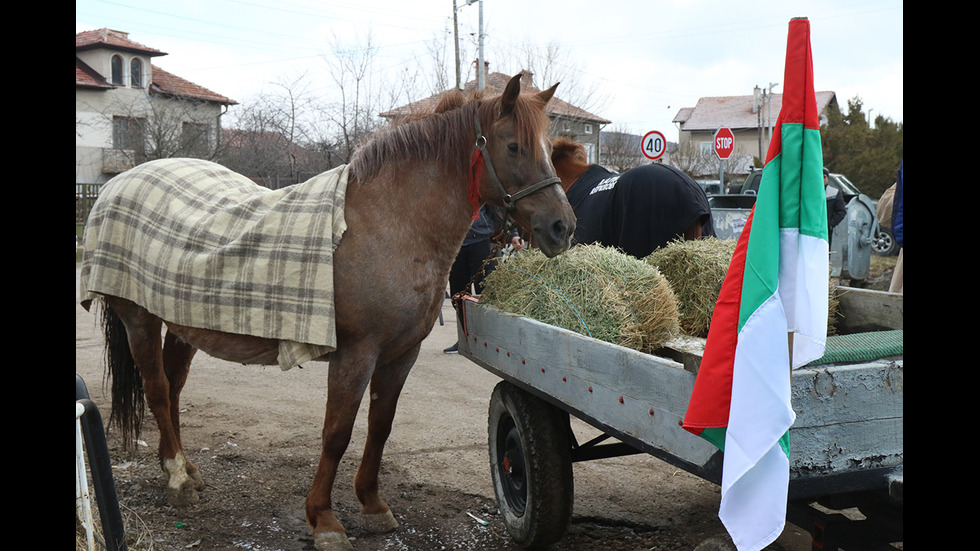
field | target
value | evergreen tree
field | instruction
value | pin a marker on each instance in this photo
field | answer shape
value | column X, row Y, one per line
column 868, row 157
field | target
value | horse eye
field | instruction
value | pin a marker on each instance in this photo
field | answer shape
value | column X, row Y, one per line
column 513, row 147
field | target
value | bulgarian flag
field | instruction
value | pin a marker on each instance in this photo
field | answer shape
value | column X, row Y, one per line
column 771, row 316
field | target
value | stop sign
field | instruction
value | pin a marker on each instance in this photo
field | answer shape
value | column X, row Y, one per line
column 724, row 143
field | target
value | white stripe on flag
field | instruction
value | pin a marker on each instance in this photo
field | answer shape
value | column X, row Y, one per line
column 754, row 480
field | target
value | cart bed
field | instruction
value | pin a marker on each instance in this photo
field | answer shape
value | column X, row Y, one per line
column 848, row 434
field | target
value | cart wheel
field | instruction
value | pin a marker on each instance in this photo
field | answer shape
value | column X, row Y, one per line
column 531, row 466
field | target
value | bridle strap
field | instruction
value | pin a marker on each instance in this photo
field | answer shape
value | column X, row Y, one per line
column 510, row 201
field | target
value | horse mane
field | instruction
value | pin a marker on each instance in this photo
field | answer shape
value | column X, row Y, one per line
column 567, row 148
column 446, row 133
column 569, row 159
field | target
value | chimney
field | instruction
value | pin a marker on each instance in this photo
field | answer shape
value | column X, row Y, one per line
column 527, row 78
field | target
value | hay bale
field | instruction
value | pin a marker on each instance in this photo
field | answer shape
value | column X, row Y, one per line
column 592, row 290
column 695, row 269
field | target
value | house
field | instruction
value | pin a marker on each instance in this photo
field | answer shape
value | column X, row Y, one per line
column 750, row 119
column 128, row 110
column 566, row 119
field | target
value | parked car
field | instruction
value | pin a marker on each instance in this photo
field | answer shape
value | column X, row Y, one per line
column 848, row 190
column 710, row 187
column 853, row 239
column 885, row 244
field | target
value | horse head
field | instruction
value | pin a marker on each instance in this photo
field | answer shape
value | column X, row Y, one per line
column 520, row 176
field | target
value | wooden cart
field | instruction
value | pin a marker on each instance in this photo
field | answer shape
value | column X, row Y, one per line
column 846, row 443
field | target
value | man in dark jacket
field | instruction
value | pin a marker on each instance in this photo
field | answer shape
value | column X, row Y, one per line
column 470, row 265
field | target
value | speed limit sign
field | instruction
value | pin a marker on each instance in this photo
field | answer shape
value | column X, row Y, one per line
column 653, row 145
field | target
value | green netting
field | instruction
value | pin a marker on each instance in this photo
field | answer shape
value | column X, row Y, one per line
column 860, row 347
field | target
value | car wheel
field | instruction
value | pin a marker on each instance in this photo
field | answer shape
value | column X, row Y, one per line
column 884, row 243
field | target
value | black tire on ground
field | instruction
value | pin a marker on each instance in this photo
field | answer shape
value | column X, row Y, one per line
column 530, row 464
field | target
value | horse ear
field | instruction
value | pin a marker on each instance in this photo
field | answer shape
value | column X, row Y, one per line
column 546, row 95
column 509, row 97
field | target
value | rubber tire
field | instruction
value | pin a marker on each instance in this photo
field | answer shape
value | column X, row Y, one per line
column 535, row 497
column 884, row 244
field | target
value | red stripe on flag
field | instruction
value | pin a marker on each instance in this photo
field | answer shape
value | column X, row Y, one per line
column 712, row 394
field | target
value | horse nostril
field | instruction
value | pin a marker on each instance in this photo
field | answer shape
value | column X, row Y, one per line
column 559, row 230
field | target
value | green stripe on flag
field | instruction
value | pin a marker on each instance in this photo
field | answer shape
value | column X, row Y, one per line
column 715, row 437
column 813, row 216
column 797, row 203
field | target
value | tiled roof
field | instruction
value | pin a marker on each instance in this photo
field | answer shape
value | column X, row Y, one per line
column 163, row 82
column 87, row 77
column 497, row 82
column 170, row 84
column 735, row 112
column 108, row 38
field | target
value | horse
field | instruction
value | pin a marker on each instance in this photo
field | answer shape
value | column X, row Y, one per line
column 410, row 196
column 637, row 211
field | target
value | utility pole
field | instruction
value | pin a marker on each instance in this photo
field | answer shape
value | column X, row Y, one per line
column 459, row 83
column 481, row 77
column 769, row 117
column 480, row 73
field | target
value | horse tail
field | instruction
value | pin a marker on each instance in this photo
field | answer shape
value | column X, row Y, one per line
column 128, row 402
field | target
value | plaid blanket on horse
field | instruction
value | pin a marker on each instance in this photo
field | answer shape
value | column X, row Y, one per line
column 202, row 246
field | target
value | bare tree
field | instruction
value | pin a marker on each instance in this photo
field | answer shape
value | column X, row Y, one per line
column 277, row 132
column 621, row 150
column 145, row 128
column 355, row 111
column 551, row 63
column 692, row 160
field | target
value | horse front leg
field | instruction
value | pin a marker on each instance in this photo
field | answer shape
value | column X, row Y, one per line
column 386, row 386
column 348, row 376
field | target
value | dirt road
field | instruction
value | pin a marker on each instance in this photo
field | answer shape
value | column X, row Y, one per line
column 255, row 433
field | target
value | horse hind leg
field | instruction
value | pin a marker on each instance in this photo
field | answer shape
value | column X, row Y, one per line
column 177, row 356
column 386, row 386
column 143, row 332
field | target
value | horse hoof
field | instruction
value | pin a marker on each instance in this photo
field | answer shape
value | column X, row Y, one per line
column 380, row 522
column 331, row 541
column 183, row 496
column 195, row 475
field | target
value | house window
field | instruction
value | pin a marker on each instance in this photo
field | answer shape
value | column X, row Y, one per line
column 116, row 64
column 127, row 133
column 136, row 73
column 590, row 152
column 588, row 129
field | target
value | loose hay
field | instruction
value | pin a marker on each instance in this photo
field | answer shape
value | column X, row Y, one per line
column 695, row 269
column 592, row 290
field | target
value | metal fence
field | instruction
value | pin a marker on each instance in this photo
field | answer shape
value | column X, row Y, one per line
column 85, row 195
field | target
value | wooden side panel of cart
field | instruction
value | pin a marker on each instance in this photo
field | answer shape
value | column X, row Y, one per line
column 849, row 417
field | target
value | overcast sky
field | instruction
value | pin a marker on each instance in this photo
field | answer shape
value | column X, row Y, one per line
column 647, row 58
